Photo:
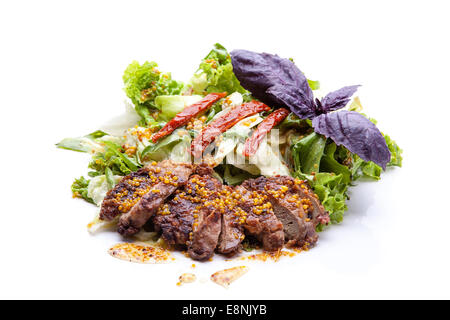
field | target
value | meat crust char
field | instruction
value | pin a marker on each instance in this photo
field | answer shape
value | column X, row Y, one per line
column 260, row 220
column 232, row 231
column 294, row 204
column 192, row 218
column 119, row 198
column 137, row 197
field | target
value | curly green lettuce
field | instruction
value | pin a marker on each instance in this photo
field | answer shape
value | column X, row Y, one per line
column 80, row 189
column 143, row 83
column 313, row 156
column 215, row 74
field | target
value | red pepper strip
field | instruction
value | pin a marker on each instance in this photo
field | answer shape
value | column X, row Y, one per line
column 252, row 143
column 188, row 113
column 223, row 123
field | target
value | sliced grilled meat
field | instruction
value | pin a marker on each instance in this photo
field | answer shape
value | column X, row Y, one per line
column 192, row 218
column 196, row 211
column 150, row 193
column 294, row 204
column 206, row 234
column 232, row 231
column 122, row 197
column 260, row 220
column 313, row 208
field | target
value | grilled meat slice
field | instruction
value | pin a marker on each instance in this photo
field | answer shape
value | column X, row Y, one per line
column 287, row 207
column 315, row 210
column 192, row 218
column 150, row 193
column 232, row 231
column 311, row 203
column 122, row 198
column 260, row 220
column 295, row 205
column 206, row 234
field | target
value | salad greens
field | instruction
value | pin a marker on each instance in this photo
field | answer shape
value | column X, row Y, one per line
column 113, row 159
column 332, row 150
column 87, row 143
column 168, row 148
column 143, row 83
column 80, row 189
column 215, row 73
column 169, row 106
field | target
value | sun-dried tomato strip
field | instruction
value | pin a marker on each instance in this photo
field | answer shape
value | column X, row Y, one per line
column 223, row 123
column 252, row 143
column 188, row 113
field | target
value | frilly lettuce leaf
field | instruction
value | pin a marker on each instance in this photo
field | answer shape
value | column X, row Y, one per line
column 396, row 152
column 80, row 189
column 215, row 73
column 332, row 192
column 143, row 83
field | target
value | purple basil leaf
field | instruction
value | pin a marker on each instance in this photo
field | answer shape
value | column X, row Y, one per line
column 356, row 133
column 271, row 79
column 337, row 99
column 294, row 100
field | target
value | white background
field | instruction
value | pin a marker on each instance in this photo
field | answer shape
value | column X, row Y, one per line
column 61, row 65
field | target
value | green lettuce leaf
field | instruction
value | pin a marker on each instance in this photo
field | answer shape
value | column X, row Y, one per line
column 312, row 156
column 143, row 83
column 169, row 106
column 330, row 164
column 314, row 85
column 100, row 185
column 80, row 189
column 293, row 121
column 308, row 152
column 114, row 159
column 233, row 175
column 332, row 192
column 110, row 180
column 396, row 152
column 86, row 143
column 164, row 149
column 215, row 74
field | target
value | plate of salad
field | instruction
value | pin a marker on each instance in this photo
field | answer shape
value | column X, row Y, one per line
column 245, row 154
